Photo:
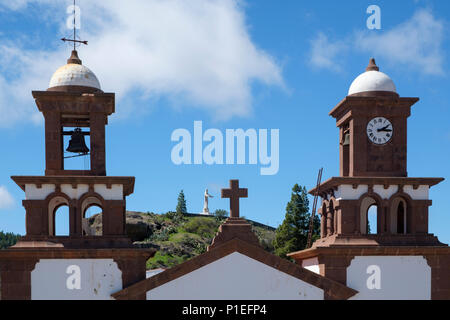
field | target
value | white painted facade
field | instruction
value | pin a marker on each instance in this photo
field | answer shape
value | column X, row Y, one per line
column 347, row 192
column 311, row 265
column 390, row 278
column 32, row 192
column 236, row 277
column 75, row 279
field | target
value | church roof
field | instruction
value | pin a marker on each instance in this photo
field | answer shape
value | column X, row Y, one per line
column 227, row 246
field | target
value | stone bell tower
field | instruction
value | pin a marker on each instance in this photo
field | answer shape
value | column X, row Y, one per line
column 73, row 106
column 372, row 122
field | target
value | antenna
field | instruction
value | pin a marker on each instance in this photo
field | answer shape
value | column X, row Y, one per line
column 74, row 40
column 311, row 221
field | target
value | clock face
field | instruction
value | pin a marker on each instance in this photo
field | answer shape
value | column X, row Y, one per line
column 380, row 130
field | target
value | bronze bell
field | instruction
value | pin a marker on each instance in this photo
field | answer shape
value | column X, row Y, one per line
column 346, row 141
column 77, row 143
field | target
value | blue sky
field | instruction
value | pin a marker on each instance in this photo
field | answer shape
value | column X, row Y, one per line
column 230, row 64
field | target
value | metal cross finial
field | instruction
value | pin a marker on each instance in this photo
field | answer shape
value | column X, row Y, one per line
column 74, row 40
column 234, row 193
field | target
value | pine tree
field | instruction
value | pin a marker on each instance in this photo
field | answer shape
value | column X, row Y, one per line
column 181, row 206
column 292, row 234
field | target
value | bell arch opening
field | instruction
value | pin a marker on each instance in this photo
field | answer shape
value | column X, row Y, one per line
column 369, row 216
column 58, row 217
column 399, row 223
column 92, row 218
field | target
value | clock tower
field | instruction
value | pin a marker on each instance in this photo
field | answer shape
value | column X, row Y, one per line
column 373, row 126
column 373, row 180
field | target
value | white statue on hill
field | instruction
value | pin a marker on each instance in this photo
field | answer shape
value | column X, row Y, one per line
column 205, row 206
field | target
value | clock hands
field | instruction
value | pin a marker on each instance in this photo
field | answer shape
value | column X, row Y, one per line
column 385, row 129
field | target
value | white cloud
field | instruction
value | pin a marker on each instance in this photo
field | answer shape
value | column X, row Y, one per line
column 416, row 44
column 196, row 53
column 6, row 200
column 325, row 54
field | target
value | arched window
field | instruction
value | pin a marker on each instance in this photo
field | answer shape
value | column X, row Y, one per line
column 399, row 216
column 92, row 220
column 369, row 216
column 61, row 227
column 372, row 219
column 58, row 216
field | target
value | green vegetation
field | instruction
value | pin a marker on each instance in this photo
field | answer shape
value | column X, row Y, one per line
column 292, row 234
column 181, row 206
column 8, row 239
column 178, row 240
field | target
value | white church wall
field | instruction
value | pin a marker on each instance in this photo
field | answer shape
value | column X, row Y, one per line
column 421, row 193
column 385, row 193
column 74, row 193
column 390, row 278
column 32, row 192
column 347, row 192
column 114, row 193
column 236, row 277
column 75, row 279
column 311, row 265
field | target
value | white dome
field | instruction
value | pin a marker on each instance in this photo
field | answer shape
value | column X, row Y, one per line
column 372, row 81
column 74, row 75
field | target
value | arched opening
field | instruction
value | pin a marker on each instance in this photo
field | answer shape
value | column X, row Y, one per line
column 58, row 217
column 399, row 216
column 92, row 220
column 62, row 227
column 369, row 216
column 372, row 220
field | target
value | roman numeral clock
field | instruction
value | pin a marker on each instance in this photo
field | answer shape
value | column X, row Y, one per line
column 379, row 130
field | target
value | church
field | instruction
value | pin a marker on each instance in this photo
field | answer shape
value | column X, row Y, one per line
column 402, row 260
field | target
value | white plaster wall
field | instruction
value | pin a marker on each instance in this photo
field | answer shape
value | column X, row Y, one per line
column 385, row 193
column 401, row 278
column 99, row 279
column 74, row 193
column 346, row 192
column 312, row 265
column 236, row 277
column 421, row 193
column 115, row 193
column 34, row 193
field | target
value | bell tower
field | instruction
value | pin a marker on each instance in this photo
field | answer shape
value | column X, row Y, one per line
column 373, row 180
column 103, row 257
column 76, row 102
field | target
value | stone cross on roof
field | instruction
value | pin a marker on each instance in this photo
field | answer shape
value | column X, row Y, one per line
column 234, row 193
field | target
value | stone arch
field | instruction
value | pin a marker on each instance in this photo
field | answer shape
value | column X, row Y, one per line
column 399, row 213
column 53, row 202
column 88, row 200
column 366, row 201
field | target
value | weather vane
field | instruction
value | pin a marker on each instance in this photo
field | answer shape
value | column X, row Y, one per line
column 74, row 40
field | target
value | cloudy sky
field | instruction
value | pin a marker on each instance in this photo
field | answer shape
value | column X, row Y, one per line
column 230, row 64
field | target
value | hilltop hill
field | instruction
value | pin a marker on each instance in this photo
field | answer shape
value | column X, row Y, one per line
column 178, row 240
